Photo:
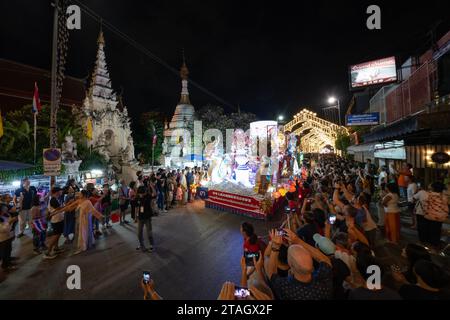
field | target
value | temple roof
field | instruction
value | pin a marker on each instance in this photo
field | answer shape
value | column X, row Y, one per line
column 100, row 82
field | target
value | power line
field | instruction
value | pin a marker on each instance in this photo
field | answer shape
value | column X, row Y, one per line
column 147, row 52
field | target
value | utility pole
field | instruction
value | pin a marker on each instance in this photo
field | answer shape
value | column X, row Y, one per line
column 54, row 99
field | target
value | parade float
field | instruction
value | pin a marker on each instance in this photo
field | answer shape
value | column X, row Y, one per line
column 253, row 178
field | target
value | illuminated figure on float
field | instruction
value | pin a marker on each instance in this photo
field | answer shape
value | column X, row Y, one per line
column 240, row 150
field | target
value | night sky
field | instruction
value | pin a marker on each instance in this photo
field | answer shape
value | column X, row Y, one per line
column 269, row 57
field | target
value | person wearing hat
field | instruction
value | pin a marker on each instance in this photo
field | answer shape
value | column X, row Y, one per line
column 341, row 271
column 57, row 223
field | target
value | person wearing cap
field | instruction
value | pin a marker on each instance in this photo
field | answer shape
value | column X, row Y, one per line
column 57, row 223
column 23, row 198
column 341, row 271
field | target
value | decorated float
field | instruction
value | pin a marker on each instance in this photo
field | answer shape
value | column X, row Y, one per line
column 253, row 178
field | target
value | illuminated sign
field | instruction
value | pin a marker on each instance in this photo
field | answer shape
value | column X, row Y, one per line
column 374, row 72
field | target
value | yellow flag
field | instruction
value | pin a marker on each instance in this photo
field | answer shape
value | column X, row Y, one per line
column 1, row 125
column 89, row 129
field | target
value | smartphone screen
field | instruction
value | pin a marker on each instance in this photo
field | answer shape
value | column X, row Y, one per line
column 332, row 219
column 146, row 277
column 249, row 258
column 241, row 293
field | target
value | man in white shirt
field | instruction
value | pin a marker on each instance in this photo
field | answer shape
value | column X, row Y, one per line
column 382, row 177
column 410, row 192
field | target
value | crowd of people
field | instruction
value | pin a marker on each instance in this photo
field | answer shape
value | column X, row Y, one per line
column 81, row 215
column 327, row 246
column 337, row 215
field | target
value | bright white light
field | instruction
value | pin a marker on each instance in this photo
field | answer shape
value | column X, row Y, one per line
column 16, row 184
column 332, row 100
column 96, row 172
column 280, row 118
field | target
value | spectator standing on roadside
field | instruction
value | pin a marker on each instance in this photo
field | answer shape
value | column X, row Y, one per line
column 23, row 198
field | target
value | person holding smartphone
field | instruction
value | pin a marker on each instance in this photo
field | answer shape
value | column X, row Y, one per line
column 148, row 286
column 144, row 216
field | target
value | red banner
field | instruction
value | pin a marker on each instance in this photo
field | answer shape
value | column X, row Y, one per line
column 235, row 200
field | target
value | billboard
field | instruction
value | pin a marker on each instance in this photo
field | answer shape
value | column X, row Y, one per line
column 366, row 119
column 374, row 72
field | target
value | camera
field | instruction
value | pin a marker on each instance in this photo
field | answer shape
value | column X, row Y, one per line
column 241, row 293
column 146, row 277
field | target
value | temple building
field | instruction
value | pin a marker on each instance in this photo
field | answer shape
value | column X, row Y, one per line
column 111, row 133
column 177, row 144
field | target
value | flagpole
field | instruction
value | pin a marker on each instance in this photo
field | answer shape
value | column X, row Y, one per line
column 35, row 130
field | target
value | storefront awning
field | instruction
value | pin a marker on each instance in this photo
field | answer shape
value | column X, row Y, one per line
column 422, row 128
column 12, row 165
column 366, row 147
column 393, row 131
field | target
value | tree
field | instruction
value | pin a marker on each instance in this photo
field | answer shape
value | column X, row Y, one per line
column 342, row 141
column 144, row 136
column 214, row 117
column 17, row 143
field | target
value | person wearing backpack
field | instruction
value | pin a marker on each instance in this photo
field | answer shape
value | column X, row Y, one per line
column 436, row 213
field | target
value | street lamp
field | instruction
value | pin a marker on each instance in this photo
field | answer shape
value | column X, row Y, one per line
column 333, row 100
column 280, row 118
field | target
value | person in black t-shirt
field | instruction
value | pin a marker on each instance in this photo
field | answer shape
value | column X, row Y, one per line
column 307, row 231
column 144, row 216
column 23, row 198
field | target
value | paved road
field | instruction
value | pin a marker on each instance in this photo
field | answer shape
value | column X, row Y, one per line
column 197, row 249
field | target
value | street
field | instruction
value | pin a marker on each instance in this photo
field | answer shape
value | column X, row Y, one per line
column 197, row 249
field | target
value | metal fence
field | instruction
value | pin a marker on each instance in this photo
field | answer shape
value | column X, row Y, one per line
column 412, row 95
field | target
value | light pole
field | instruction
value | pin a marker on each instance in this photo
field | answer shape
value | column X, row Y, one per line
column 332, row 100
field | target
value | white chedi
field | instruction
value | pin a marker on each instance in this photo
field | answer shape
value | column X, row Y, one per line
column 111, row 132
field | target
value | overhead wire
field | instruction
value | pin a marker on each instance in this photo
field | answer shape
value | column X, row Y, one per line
column 147, row 52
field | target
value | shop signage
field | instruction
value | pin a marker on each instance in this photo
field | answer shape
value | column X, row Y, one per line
column 440, row 157
column 366, row 119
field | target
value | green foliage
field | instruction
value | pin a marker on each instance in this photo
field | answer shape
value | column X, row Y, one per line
column 144, row 136
column 17, row 144
column 214, row 117
column 91, row 159
column 11, row 175
column 342, row 142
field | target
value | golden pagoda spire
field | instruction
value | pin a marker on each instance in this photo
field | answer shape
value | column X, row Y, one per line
column 184, row 74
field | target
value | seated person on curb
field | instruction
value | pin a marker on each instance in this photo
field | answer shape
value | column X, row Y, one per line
column 370, row 290
column 304, row 283
column 430, row 281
